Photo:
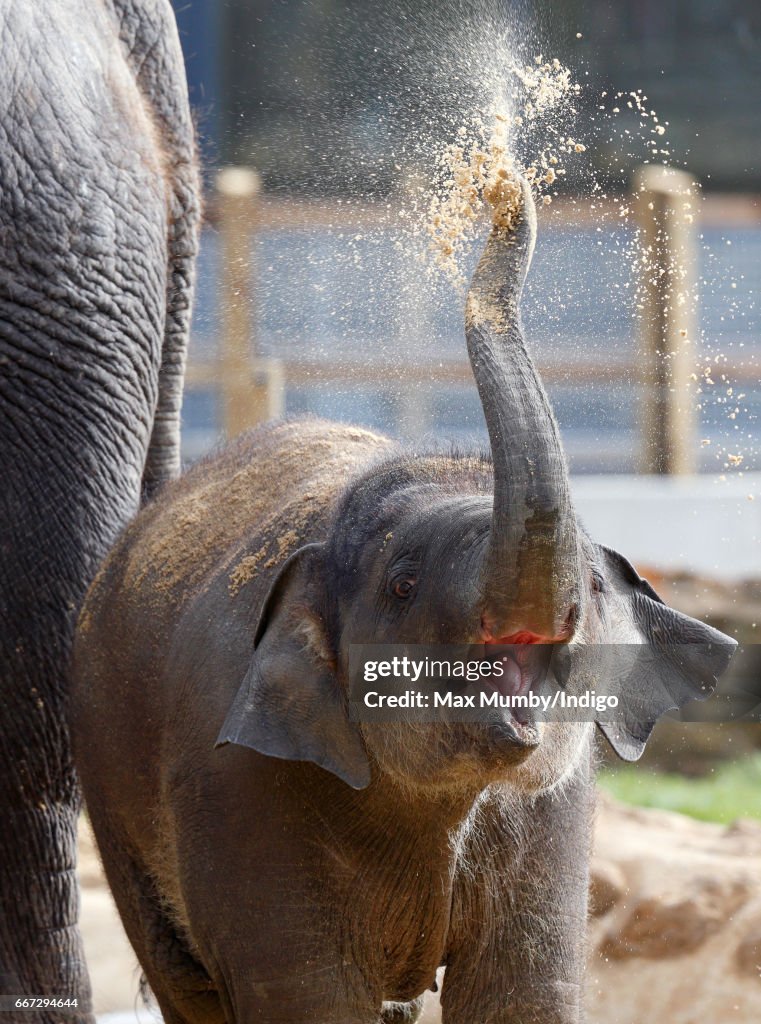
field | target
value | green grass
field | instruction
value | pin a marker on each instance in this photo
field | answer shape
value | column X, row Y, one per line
column 731, row 790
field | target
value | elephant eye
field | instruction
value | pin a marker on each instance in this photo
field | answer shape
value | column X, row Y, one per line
column 598, row 582
column 403, row 588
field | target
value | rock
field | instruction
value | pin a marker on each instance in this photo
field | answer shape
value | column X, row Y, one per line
column 659, row 927
column 748, row 952
column 670, row 925
column 607, row 885
column 744, row 829
column 683, row 942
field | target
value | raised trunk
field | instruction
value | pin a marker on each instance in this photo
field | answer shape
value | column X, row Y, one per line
column 530, row 575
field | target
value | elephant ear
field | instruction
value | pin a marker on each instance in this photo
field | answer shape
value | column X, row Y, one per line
column 661, row 659
column 290, row 704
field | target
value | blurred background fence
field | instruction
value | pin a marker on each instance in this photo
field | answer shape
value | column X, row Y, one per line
column 307, row 303
column 285, row 321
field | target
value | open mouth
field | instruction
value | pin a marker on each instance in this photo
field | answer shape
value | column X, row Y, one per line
column 518, row 669
column 524, row 667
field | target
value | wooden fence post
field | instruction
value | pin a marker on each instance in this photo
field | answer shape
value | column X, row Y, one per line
column 251, row 388
column 666, row 201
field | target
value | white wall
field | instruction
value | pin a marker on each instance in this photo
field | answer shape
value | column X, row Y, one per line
column 700, row 523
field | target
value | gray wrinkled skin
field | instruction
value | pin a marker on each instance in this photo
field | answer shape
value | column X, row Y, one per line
column 259, row 889
column 264, row 888
column 98, row 232
column 274, row 860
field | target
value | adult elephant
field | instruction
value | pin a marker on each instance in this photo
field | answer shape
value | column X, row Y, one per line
column 99, row 216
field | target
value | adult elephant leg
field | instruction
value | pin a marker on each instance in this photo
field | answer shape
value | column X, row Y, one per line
column 40, row 947
column 141, row 27
column 516, row 951
column 45, row 864
column 85, row 204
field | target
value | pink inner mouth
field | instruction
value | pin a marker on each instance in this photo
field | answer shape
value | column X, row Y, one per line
column 515, row 680
column 519, row 673
column 523, row 636
column 523, row 667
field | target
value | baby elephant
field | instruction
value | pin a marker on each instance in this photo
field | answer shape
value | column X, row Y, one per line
column 274, row 860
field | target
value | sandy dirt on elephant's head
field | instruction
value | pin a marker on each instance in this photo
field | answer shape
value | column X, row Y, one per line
column 276, row 547
column 266, row 493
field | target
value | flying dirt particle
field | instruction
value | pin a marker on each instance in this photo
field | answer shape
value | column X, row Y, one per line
column 479, row 170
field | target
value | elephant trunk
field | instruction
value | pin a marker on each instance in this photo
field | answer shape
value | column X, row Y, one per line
column 530, row 572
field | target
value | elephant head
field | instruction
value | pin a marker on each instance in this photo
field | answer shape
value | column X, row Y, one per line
column 440, row 548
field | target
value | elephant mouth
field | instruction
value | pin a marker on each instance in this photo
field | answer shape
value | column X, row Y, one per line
column 526, row 636
column 509, row 732
column 523, row 668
